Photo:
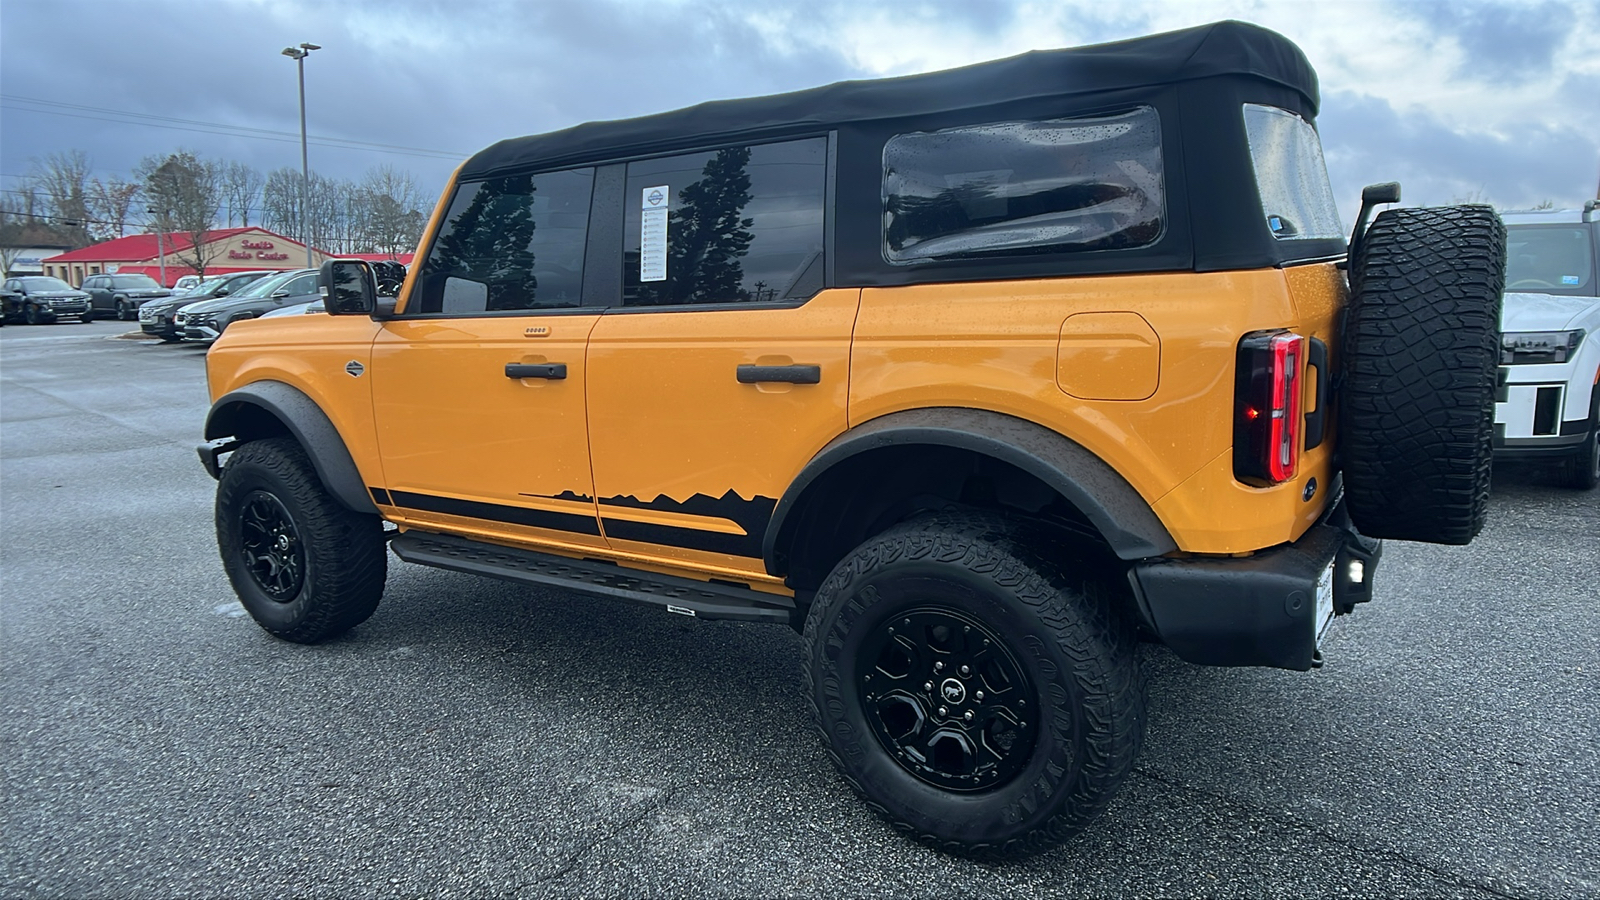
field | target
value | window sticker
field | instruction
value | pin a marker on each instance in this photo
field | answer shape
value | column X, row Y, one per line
column 653, row 233
column 1570, row 279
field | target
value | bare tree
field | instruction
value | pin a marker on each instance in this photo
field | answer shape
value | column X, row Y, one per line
column 22, row 205
column 241, row 185
column 110, row 201
column 63, row 179
column 391, row 219
column 280, row 202
column 184, row 193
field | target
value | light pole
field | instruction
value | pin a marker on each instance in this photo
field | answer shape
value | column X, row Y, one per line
column 299, row 54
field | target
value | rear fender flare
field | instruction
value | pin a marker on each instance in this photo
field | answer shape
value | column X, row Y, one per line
column 1110, row 503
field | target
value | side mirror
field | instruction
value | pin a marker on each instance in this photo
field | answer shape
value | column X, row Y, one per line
column 347, row 287
column 279, row 294
column 223, row 292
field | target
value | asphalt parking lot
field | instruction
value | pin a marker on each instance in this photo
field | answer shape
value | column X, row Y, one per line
column 477, row 738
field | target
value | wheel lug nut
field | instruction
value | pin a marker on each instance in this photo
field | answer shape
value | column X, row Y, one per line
column 938, row 667
column 967, row 715
column 965, row 670
column 979, row 695
column 927, row 685
column 943, row 711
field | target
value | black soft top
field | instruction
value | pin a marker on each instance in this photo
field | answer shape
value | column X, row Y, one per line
column 1207, row 51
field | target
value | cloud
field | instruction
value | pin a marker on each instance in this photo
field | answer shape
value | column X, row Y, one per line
column 1455, row 98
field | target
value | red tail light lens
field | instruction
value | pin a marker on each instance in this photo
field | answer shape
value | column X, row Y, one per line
column 1267, row 418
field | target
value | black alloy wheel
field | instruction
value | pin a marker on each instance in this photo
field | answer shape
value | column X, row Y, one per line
column 947, row 700
column 122, row 311
column 306, row 567
column 270, row 544
column 976, row 681
column 31, row 314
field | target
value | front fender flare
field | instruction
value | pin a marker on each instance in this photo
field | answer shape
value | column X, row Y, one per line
column 309, row 425
column 1109, row 502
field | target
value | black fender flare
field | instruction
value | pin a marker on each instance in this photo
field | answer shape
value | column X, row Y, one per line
column 1111, row 504
column 309, row 425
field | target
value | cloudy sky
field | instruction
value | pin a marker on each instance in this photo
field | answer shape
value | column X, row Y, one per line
column 1497, row 101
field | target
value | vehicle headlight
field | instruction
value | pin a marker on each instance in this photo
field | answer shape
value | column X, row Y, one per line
column 1521, row 348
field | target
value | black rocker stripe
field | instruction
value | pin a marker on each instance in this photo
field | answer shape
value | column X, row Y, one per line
column 379, row 496
column 496, row 512
column 690, row 538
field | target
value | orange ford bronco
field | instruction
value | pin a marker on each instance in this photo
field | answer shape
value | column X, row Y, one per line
column 977, row 378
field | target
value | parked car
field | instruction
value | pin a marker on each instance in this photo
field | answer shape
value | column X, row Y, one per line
column 206, row 320
column 1548, row 408
column 121, row 295
column 41, row 299
column 186, row 283
column 159, row 317
column 299, row 309
column 977, row 378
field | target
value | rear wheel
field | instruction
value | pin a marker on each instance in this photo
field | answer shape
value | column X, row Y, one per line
column 1421, row 349
column 305, row 567
column 982, row 698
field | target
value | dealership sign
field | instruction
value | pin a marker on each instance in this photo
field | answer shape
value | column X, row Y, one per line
column 257, row 250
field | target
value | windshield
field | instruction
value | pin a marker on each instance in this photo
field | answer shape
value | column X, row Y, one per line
column 45, row 283
column 1291, row 175
column 1549, row 259
column 133, row 281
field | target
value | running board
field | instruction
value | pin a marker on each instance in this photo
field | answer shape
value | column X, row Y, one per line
column 684, row 596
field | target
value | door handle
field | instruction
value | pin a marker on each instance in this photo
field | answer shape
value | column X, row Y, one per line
column 552, row 371
column 749, row 374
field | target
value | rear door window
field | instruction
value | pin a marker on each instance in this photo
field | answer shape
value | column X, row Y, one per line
column 736, row 225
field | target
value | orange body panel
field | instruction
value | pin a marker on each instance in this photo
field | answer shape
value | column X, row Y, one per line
column 682, row 451
column 994, row 346
column 452, row 425
column 309, row 353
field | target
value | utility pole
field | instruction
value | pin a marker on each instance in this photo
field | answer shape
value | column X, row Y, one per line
column 299, row 54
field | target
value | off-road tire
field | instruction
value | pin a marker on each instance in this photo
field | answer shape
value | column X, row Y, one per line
column 1421, row 351
column 344, row 557
column 1581, row 470
column 1062, row 623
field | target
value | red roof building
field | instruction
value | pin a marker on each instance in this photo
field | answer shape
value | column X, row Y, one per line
column 225, row 249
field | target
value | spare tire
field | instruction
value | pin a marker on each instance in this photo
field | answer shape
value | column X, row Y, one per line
column 1421, row 349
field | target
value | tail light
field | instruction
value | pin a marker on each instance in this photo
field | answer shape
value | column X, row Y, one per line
column 1267, row 418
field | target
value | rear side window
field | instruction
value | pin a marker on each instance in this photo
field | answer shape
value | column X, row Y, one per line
column 1011, row 188
column 736, row 225
column 509, row 244
column 1291, row 175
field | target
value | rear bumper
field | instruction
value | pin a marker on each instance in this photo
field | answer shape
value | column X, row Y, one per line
column 1259, row 610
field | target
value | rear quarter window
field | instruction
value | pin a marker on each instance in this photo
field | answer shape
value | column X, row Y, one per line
column 1009, row 188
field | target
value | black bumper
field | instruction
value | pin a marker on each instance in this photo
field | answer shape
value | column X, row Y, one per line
column 1258, row 610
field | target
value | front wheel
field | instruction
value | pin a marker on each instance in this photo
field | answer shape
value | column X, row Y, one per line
column 33, row 315
column 981, row 697
column 123, row 313
column 305, row 567
column 1582, row 469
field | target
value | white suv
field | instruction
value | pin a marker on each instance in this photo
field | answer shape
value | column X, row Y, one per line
column 1548, row 405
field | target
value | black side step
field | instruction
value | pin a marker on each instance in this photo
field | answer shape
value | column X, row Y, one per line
column 684, row 596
